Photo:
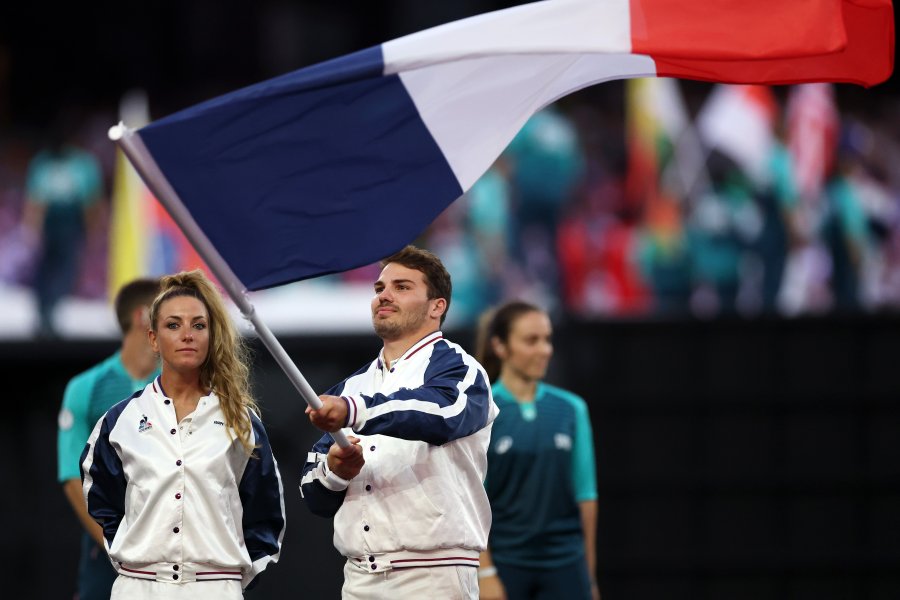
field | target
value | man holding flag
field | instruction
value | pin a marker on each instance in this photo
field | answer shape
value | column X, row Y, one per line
column 412, row 516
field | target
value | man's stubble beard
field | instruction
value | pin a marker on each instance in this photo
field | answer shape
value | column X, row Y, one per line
column 389, row 330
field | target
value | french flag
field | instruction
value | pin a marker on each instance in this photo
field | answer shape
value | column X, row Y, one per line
column 339, row 164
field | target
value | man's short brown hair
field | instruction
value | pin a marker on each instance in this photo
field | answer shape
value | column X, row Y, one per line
column 132, row 295
column 436, row 276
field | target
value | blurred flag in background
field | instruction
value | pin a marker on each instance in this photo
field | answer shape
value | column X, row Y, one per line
column 143, row 238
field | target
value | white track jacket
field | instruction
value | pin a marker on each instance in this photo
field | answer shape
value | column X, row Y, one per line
column 425, row 425
column 182, row 505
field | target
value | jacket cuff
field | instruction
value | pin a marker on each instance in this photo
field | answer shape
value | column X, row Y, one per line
column 330, row 480
column 356, row 412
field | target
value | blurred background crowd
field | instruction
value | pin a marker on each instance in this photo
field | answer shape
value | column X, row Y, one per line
column 650, row 198
column 634, row 199
column 757, row 201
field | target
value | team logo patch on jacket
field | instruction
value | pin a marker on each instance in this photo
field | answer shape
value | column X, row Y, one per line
column 66, row 419
column 562, row 441
column 145, row 424
column 503, row 445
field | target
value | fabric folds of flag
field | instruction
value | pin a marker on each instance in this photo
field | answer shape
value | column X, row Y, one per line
column 339, row 164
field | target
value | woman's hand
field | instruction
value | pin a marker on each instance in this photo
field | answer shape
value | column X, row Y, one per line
column 491, row 588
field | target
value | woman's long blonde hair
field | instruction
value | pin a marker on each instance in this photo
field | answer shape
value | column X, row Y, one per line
column 225, row 371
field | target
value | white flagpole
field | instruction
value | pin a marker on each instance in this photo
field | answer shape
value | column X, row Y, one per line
column 149, row 171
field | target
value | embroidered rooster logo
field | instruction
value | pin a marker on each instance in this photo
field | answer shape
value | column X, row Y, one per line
column 144, row 425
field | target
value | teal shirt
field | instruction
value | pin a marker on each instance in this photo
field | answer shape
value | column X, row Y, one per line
column 71, row 178
column 87, row 398
column 540, row 466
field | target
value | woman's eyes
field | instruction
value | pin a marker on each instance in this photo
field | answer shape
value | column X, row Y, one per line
column 174, row 325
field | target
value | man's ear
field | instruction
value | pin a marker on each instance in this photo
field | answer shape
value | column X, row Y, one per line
column 140, row 318
column 439, row 307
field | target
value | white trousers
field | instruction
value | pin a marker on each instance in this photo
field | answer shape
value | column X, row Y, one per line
column 132, row 588
column 446, row 583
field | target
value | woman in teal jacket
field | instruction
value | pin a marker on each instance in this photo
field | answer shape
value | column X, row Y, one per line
column 541, row 478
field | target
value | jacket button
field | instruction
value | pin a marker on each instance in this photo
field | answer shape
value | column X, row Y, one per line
column 178, row 497
column 365, row 528
column 368, row 488
column 178, row 463
column 167, row 401
column 175, row 530
column 175, row 567
column 172, row 431
column 175, row 576
column 371, row 559
column 374, row 566
column 372, row 448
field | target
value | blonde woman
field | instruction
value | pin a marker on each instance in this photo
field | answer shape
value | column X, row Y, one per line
column 181, row 476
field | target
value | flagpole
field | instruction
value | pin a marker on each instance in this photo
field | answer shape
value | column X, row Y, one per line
column 149, row 171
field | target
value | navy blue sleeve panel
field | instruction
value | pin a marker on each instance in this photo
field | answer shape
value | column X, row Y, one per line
column 337, row 389
column 322, row 501
column 319, row 499
column 106, row 496
column 262, row 498
column 453, row 402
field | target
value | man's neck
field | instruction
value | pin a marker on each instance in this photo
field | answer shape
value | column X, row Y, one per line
column 137, row 357
column 394, row 349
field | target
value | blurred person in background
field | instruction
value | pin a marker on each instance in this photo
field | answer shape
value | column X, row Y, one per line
column 541, row 478
column 663, row 254
column 848, row 235
column 63, row 188
column 412, row 515
column 16, row 243
column 87, row 397
column 545, row 163
column 181, row 476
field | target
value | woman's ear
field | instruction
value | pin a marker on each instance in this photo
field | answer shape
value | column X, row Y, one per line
column 499, row 347
column 151, row 335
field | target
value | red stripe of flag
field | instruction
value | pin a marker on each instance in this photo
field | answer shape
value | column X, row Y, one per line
column 867, row 60
column 740, row 28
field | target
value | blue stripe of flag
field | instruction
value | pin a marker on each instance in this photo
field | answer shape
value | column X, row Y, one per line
column 317, row 171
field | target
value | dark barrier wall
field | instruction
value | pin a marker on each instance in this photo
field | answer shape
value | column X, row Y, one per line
column 736, row 460
column 744, row 460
